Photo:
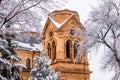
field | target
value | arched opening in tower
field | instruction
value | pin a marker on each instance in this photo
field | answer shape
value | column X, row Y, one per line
column 54, row 50
column 49, row 50
column 68, row 48
column 75, row 48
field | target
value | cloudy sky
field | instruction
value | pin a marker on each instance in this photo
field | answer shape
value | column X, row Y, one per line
column 83, row 7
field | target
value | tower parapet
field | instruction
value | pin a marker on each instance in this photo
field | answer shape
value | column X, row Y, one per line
column 61, row 44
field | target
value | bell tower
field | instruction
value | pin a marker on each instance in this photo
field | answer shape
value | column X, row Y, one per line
column 61, row 43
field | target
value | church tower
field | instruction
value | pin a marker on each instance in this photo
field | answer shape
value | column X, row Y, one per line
column 61, row 43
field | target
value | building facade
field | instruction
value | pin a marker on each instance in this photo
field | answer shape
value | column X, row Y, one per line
column 61, row 43
column 27, row 49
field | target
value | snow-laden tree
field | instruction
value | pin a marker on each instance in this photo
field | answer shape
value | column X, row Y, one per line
column 9, row 69
column 103, row 29
column 42, row 69
column 19, row 16
column 26, row 14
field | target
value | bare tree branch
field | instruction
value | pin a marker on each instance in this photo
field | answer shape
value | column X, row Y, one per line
column 103, row 27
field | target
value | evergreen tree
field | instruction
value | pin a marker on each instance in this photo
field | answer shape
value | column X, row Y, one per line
column 19, row 16
column 9, row 67
column 42, row 70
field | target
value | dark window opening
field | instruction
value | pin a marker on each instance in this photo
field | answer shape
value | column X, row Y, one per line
column 68, row 49
column 54, row 50
column 51, row 34
column 75, row 48
column 72, row 32
column 28, row 63
column 49, row 50
column 49, row 53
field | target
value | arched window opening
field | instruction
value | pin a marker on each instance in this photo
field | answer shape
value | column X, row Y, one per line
column 54, row 50
column 75, row 48
column 51, row 34
column 49, row 50
column 28, row 63
column 68, row 48
column 72, row 32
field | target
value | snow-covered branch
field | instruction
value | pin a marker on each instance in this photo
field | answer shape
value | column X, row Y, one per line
column 103, row 29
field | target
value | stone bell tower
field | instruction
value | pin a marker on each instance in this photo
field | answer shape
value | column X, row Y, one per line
column 61, row 43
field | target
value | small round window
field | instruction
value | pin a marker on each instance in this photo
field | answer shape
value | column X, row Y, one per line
column 51, row 34
column 72, row 32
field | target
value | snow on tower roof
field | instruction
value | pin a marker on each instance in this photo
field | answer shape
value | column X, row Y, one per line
column 58, row 25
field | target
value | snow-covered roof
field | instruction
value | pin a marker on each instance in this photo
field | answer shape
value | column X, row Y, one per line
column 32, row 44
column 27, row 46
column 58, row 25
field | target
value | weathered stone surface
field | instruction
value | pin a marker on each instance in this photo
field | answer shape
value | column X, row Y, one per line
column 55, row 38
column 60, row 35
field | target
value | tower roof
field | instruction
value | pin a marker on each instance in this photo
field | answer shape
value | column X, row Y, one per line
column 65, row 11
column 60, row 17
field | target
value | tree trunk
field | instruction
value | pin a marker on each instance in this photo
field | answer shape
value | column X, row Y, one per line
column 117, row 58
